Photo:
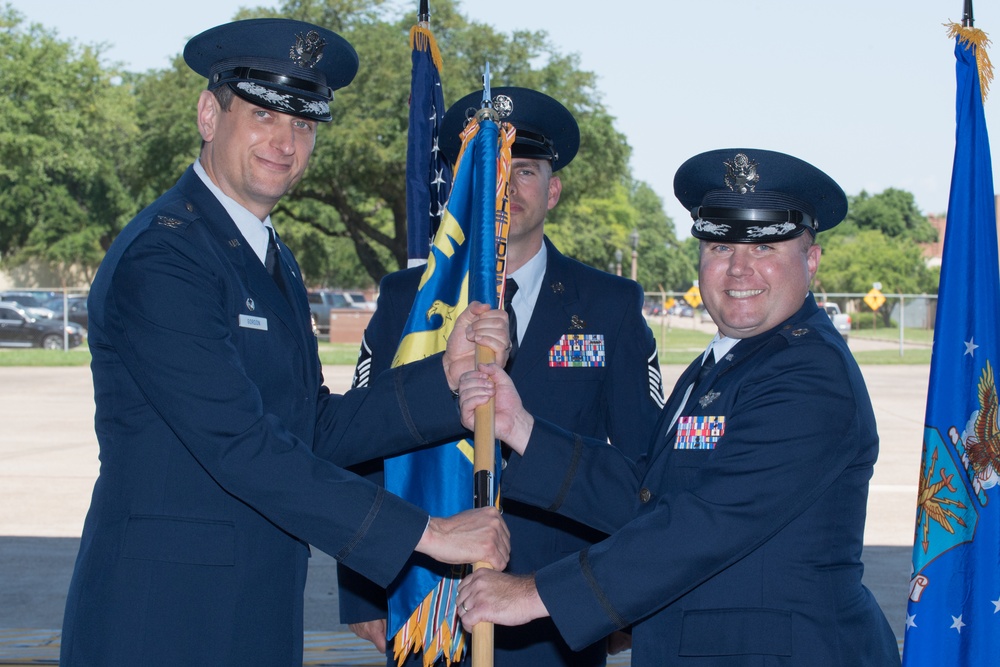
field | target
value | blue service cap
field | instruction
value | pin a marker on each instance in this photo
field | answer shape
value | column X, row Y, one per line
column 747, row 195
column 546, row 130
column 280, row 64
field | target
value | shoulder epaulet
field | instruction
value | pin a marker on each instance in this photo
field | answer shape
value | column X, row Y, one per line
column 798, row 332
column 176, row 215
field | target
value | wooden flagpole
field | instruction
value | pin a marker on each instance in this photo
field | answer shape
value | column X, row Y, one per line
column 484, row 461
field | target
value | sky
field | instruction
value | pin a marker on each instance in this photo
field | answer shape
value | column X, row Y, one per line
column 863, row 90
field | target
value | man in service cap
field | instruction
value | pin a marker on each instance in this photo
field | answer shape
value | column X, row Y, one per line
column 222, row 452
column 737, row 539
column 612, row 392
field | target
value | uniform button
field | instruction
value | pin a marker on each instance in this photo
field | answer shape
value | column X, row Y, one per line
column 189, row 206
column 645, row 495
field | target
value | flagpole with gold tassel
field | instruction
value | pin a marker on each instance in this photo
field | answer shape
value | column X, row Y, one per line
column 973, row 37
column 484, row 432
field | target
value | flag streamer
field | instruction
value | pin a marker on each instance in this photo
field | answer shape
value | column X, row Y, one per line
column 953, row 611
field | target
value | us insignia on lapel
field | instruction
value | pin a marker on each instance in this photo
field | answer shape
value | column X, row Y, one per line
column 699, row 432
column 578, row 351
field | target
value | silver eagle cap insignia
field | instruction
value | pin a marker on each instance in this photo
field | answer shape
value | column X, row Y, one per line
column 307, row 50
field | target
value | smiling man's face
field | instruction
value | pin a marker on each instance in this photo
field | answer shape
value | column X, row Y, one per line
column 750, row 288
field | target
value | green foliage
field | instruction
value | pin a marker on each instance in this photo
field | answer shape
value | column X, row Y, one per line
column 893, row 212
column 357, row 171
column 84, row 147
column 854, row 263
column 65, row 142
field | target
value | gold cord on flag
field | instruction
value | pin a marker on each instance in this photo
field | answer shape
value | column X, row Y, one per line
column 422, row 39
column 979, row 39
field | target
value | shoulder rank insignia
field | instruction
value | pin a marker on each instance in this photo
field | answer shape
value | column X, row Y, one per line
column 167, row 221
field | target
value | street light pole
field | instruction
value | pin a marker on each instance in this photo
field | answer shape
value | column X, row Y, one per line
column 635, row 252
column 618, row 262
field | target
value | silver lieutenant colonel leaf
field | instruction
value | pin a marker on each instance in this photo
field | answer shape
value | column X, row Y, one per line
column 741, row 174
column 308, row 49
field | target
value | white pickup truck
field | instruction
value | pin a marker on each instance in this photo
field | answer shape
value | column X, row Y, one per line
column 840, row 320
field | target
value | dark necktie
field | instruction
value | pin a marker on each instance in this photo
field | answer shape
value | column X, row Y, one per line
column 706, row 366
column 272, row 260
column 510, row 289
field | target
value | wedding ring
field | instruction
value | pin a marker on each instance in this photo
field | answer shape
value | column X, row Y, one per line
column 464, row 608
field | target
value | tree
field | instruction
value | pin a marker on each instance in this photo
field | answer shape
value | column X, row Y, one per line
column 354, row 190
column 64, row 145
column 69, row 186
column 878, row 242
column 892, row 212
column 854, row 262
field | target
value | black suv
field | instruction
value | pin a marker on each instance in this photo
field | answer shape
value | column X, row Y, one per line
column 19, row 329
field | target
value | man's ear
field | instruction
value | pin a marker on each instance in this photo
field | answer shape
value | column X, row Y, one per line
column 208, row 114
column 555, row 189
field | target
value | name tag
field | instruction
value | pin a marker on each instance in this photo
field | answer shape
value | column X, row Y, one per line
column 699, row 432
column 252, row 322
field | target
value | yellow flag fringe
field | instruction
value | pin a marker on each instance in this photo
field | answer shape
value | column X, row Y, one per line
column 979, row 39
column 422, row 39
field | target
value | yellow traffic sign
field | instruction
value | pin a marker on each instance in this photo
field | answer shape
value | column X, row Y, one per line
column 693, row 296
column 874, row 299
column 669, row 303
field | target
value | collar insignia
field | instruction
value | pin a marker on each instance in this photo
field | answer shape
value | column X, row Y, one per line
column 576, row 323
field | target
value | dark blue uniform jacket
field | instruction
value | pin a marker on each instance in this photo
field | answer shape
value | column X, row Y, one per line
column 737, row 537
column 617, row 400
column 222, row 452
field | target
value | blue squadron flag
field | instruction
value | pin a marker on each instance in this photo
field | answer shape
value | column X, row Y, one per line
column 953, row 612
column 428, row 174
column 467, row 254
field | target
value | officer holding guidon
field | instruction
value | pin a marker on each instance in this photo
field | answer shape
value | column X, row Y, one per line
column 222, row 452
column 737, row 537
column 584, row 358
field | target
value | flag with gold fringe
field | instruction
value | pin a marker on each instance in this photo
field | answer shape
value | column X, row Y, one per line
column 953, row 611
column 428, row 174
column 467, row 254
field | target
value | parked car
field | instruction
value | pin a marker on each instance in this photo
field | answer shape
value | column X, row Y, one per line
column 20, row 329
column 322, row 301
column 77, row 309
column 32, row 302
column 840, row 320
column 682, row 310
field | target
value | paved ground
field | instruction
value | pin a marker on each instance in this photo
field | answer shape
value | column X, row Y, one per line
column 48, row 463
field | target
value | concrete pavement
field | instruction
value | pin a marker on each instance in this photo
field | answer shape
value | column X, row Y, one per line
column 48, row 463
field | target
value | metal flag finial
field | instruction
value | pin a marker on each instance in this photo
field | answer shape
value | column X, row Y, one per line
column 968, row 20
column 424, row 15
column 487, row 95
